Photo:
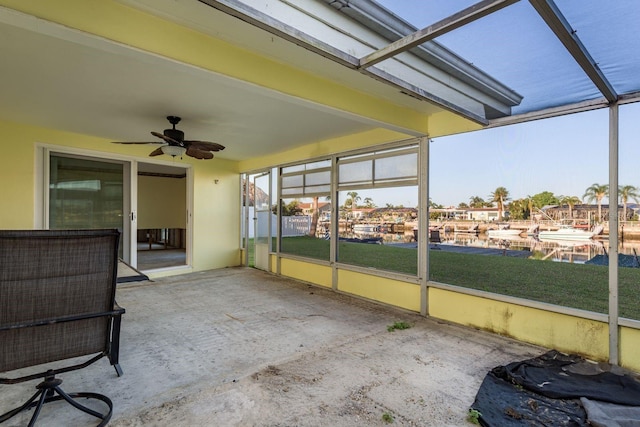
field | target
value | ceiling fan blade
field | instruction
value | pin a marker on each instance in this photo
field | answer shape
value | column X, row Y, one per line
column 156, row 152
column 167, row 139
column 137, row 142
column 198, row 154
column 205, row 145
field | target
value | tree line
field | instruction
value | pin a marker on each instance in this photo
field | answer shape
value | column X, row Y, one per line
column 350, row 203
column 522, row 208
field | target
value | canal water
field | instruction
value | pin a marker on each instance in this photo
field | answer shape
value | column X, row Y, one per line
column 556, row 250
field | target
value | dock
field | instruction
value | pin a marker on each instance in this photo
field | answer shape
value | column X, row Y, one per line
column 467, row 249
column 481, row 251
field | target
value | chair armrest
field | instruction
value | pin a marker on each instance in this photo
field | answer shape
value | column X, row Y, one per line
column 117, row 309
column 43, row 322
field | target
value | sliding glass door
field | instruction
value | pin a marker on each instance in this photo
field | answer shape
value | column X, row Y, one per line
column 148, row 202
column 88, row 193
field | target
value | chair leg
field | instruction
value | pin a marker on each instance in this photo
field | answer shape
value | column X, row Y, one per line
column 28, row 404
column 46, row 393
column 118, row 369
column 70, row 398
column 114, row 351
column 38, row 406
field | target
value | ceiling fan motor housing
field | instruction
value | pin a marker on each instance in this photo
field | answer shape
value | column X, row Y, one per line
column 176, row 134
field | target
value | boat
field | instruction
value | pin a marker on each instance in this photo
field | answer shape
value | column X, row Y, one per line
column 501, row 233
column 569, row 233
column 472, row 229
column 366, row 228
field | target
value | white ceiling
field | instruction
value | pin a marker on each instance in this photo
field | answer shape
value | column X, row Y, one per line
column 61, row 78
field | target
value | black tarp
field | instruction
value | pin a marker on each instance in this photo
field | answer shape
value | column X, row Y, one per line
column 630, row 261
column 546, row 391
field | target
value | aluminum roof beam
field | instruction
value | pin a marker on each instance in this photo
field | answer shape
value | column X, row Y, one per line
column 245, row 13
column 467, row 74
column 563, row 110
column 552, row 16
column 457, row 20
column 391, row 27
column 547, row 113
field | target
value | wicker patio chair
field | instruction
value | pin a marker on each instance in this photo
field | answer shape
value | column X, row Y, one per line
column 57, row 302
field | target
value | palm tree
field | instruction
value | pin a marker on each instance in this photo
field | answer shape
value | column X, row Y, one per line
column 353, row 196
column 314, row 217
column 530, row 205
column 625, row 193
column 518, row 209
column 434, row 205
column 570, row 201
column 596, row 192
column 499, row 196
column 368, row 202
column 476, row 202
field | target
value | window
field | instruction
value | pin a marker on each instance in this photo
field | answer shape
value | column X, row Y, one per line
column 530, row 179
column 378, row 209
column 305, row 209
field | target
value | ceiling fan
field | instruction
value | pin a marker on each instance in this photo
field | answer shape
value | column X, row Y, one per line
column 177, row 145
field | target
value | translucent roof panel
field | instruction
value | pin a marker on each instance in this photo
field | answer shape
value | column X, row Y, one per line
column 515, row 46
column 608, row 29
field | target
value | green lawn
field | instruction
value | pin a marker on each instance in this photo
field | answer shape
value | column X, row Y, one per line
column 571, row 285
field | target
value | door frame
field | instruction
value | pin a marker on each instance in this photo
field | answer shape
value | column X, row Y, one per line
column 188, row 169
column 262, row 250
column 130, row 193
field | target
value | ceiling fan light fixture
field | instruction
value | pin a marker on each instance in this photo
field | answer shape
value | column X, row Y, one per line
column 173, row 150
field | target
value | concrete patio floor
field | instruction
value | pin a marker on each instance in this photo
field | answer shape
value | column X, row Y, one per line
column 241, row 347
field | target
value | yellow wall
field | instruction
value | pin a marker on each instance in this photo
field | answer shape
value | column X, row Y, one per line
column 162, row 202
column 443, row 123
column 630, row 348
column 394, row 292
column 216, row 214
column 216, row 219
column 17, row 173
column 18, row 169
column 324, row 148
column 309, row 272
column 552, row 330
column 566, row 333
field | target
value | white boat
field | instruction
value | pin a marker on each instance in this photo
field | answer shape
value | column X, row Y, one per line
column 567, row 233
column 502, row 233
column 365, row 228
